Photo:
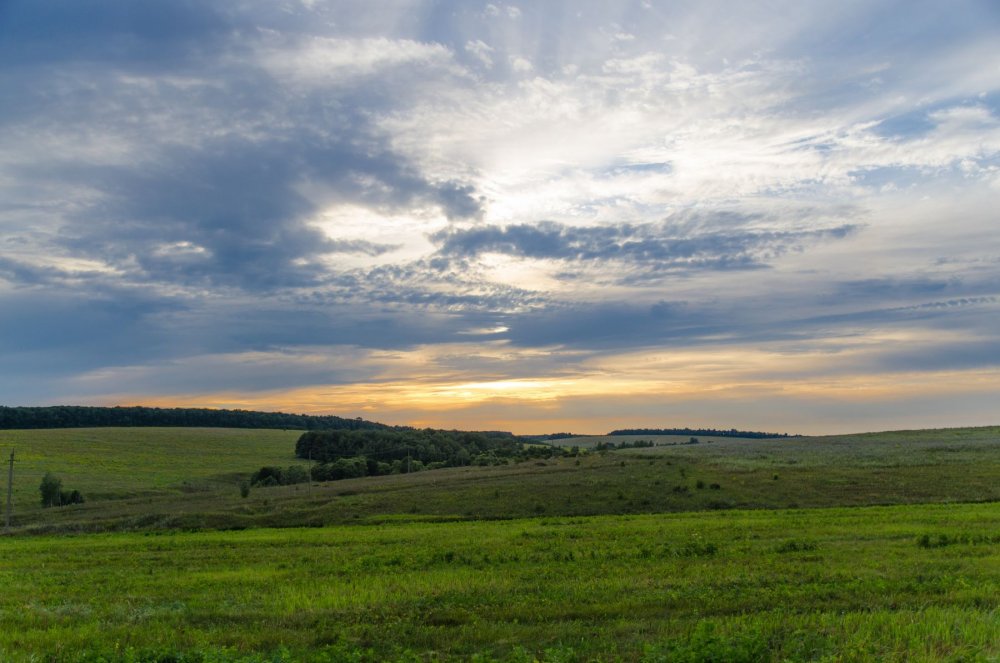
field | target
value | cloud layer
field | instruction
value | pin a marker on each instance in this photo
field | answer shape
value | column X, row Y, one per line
column 441, row 212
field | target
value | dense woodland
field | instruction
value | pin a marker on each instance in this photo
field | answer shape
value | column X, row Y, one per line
column 709, row 432
column 352, row 453
column 76, row 416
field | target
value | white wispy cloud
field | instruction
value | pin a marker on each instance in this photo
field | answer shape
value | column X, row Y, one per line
column 389, row 179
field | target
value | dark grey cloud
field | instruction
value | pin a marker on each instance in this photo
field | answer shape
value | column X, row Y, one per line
column 611, row 326
column 215, row 197
column 946, row 355
column 26, row 273
column 62, row 332
column 229, row 213
column 895, row 288
column 657, row 247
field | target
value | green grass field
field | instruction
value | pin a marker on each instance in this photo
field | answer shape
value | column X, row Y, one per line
column 727, row 550
column 827, row 584
column 188, row 478
column 114, row 463
column 889, row 449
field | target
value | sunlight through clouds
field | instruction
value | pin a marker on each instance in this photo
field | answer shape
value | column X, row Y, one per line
column 506, row 216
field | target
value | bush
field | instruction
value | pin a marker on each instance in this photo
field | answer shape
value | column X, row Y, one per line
column 295, row 474
column 245, row 489
column 268, row 476
column 342, row 468
column 70, row 497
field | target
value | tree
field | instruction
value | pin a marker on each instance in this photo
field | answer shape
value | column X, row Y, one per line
column 51, row 490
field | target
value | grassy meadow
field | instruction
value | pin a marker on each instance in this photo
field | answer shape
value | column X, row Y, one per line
column 852, row 548
column 195, row 484
column 116, row 463
column 875, row 583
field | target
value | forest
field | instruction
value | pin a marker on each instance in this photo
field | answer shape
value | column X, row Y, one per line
column 77, row 416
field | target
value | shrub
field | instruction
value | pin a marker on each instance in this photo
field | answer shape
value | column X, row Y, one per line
column 245, row 489
column 70, row 497
column 699, row 484
column 295, row 474
column 268, row 476
column 342, row 468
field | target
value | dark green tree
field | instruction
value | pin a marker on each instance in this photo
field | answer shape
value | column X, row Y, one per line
column 51, row 490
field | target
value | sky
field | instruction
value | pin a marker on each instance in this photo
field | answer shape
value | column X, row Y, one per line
column 536, row 217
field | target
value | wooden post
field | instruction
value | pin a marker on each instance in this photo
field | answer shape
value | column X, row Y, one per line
column 10, row 489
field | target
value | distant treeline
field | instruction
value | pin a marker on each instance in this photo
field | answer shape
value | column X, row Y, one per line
column 76, row 416
column 550, row 437
column 711, row 432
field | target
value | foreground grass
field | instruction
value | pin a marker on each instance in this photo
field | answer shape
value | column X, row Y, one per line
column 881, row 583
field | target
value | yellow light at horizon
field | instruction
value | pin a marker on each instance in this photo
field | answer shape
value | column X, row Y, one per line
column 424, row 384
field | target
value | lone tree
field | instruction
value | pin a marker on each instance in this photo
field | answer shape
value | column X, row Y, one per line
column 51, row 489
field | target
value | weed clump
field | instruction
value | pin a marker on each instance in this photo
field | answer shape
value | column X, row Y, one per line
column 795, row 546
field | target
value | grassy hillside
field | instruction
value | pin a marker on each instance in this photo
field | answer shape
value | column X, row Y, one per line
column 892, row 468
column 888, row 449
column 906, row 583
column 112, row 463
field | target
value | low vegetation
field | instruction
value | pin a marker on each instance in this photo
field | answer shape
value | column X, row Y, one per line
column 726, row 550
column 828, row 584
column 54, row 495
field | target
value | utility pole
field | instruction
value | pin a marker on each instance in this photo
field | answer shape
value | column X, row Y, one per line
column 10, row 489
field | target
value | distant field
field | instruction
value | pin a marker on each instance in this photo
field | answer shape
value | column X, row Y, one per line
column 591, row 441
column 904, row 468
column 111, row 463
column 922, row 447
column 905, row 583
